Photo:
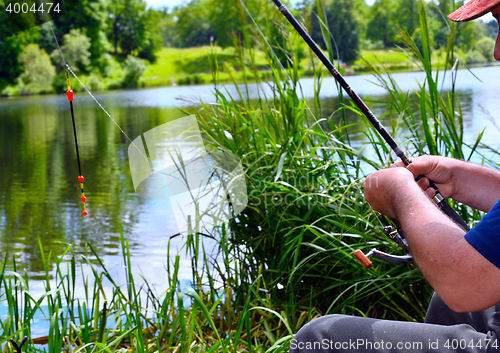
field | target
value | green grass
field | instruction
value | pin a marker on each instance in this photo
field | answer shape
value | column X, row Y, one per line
column 393, row 60
column 132, row 318
column 189, row 65
column 390, row 56
column 181, row 66
column 171, row 63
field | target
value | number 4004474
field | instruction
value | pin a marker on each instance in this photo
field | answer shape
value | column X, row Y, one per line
column 25, row 7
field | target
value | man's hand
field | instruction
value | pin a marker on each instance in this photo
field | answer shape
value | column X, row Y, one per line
column 440, row 170
column 468, row 183
column 384, row 188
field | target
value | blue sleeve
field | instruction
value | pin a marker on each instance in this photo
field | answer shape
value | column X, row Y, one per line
column 485, row 236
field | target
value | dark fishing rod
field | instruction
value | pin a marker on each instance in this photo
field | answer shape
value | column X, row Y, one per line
column 438, row 198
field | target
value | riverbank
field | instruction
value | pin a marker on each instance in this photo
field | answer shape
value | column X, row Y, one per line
column 178, row 66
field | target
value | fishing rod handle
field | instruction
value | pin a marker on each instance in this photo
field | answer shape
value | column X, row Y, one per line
column 440, row 201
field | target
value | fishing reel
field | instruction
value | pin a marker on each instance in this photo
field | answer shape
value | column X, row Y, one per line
column 394, row 235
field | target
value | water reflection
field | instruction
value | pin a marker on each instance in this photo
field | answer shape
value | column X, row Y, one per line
column 38, row 179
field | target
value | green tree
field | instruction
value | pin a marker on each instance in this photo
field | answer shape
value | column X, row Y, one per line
column 382, row 25
column 342, row 27
column 38, row 71
column 492, row 28
column 408, row 17
column 167, row 28
column 229, row 18
column 362, row 14
column 90, row 16
column 466, row 38
column 225, row 18
column 194, row 25
column 134, row 69
column 438, row 30
column 475, row 57
column 133, row 29
column 11, row 46
column 485, row 46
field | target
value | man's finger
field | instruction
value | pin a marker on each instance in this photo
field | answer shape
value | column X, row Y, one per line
column 398, row 164
column 414, row 170
column 423, row 183
column 430, row 192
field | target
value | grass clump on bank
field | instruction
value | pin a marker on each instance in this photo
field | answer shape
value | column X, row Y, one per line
column 115, row 317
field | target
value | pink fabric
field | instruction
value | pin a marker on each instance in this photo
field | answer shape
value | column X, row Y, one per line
column 473, row 9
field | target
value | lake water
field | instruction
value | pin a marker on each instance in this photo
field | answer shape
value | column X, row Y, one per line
column 39, row 191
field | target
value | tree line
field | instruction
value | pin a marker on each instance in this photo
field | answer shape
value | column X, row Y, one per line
column 107, row 41
column 352, row 23
column 110, row 41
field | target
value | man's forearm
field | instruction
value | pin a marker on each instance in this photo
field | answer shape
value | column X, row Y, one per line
column 463, row 277
column 477, row 186
column 440, row 251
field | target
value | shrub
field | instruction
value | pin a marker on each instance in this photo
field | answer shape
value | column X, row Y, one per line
column 95, row 82
column 485, row 46
column 76, row 50
column 134, row 69
column 38, row 72
column 475, row 57
column 111, row 71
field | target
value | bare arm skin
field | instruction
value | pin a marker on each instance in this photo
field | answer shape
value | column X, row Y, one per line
column 461, row 276
column 471, row 184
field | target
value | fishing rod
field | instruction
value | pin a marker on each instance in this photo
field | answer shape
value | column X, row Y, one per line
column 396, row 235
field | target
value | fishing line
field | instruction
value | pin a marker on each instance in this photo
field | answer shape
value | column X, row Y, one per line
column 57, row 42
column 94, row 98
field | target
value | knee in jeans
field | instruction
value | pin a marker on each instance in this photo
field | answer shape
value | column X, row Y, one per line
column 313, row 333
